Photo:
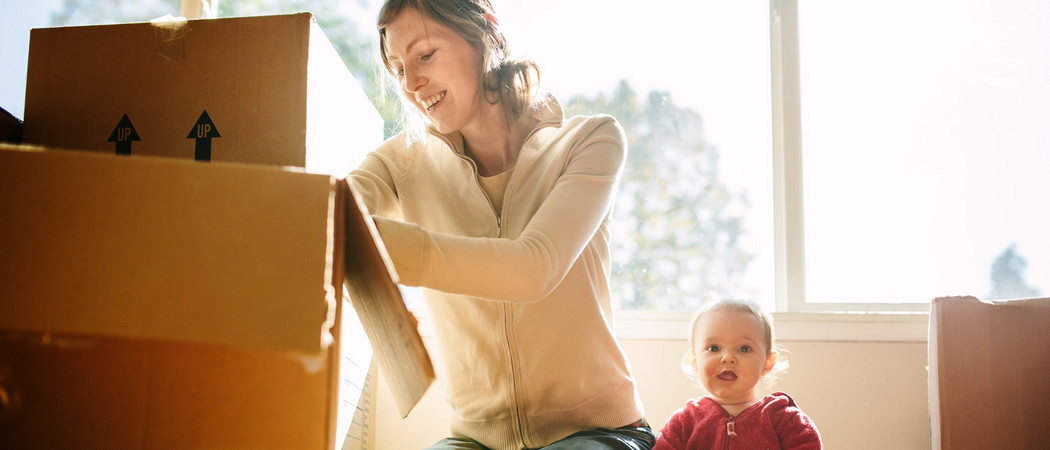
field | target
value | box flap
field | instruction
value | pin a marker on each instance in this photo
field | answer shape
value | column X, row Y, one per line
column 169, row 249
column 391, row 328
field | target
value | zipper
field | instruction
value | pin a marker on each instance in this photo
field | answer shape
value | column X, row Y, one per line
column 474, row 171
column 730, row 432
column 488, row 200
column 505, row 312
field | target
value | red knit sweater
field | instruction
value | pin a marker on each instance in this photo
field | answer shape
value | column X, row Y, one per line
column 776, row 422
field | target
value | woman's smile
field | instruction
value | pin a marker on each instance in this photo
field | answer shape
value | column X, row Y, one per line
column 429, row 102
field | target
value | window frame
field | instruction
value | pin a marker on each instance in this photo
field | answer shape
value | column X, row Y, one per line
column 788, row 209
column 796, row 319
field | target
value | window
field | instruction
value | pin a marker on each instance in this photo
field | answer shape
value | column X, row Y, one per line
column 689, row 82
column 923, row 143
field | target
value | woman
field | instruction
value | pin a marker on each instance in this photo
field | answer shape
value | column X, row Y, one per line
column 500, row 209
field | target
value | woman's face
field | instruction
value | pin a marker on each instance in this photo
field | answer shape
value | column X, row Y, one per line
column 436, row 68
column 731, row 355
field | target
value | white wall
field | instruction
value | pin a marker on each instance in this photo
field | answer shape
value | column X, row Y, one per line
column 862, row 395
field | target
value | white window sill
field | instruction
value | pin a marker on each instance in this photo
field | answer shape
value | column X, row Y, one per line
column 829, row 327
column 832, row 327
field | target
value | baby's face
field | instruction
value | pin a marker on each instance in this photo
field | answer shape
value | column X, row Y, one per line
column 731, row 355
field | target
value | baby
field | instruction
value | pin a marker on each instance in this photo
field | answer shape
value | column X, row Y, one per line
column 731, row 349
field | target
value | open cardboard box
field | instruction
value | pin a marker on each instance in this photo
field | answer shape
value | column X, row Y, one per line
column 265, row 89
column 160, row 303
column 989, row 373
column 153, row 303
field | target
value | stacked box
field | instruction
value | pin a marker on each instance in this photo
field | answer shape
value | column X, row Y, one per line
column 150, row 302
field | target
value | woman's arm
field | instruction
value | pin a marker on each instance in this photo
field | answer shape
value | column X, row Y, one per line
column 373, row 182
column 530, row 267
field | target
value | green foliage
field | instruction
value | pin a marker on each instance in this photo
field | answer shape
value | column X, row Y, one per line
column 676, row 226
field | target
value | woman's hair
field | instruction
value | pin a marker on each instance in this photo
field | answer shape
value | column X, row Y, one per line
column 742, row 306
column 514, row 82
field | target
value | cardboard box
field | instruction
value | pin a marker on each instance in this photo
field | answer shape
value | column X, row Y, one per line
column 10, row 127
column 166, row 249
column 157, row 303
column 989, row 373
column 268, row 89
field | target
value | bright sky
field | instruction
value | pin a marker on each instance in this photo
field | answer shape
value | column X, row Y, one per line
column 17, row 17
column 939, row 109
column 943, row 113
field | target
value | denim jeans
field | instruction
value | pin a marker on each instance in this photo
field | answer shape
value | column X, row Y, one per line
column 630, row 437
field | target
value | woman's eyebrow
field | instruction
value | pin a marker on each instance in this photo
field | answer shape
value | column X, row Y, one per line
column 408, row 48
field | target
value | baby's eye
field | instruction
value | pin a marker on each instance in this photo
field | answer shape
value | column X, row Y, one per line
column 427, row 56
column 745, row 349
column 712, row 348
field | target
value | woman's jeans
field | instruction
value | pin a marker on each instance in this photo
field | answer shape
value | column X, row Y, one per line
column 630, row 437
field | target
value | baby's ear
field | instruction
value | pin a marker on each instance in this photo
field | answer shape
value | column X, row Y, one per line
column 771, row 362
column 689, row 363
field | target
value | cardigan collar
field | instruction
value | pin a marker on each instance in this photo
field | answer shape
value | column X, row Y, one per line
column 547, row 110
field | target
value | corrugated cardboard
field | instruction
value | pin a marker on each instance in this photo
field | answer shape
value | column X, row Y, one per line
column 389, row 325
column 10, row 127
column 99, row 392
column 156, row 303
column 268, row 89
column 230, row 254
column 989, row 369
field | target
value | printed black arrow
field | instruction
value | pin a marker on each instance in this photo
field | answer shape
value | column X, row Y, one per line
column 123, row 135
column 203, row 131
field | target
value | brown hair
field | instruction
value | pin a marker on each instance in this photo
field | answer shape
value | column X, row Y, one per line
column 514, row 81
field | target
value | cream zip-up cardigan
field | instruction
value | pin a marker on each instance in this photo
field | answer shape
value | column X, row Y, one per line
column 519, row 298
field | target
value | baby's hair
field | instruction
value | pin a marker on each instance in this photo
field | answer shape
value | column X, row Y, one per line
column 743, row 306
